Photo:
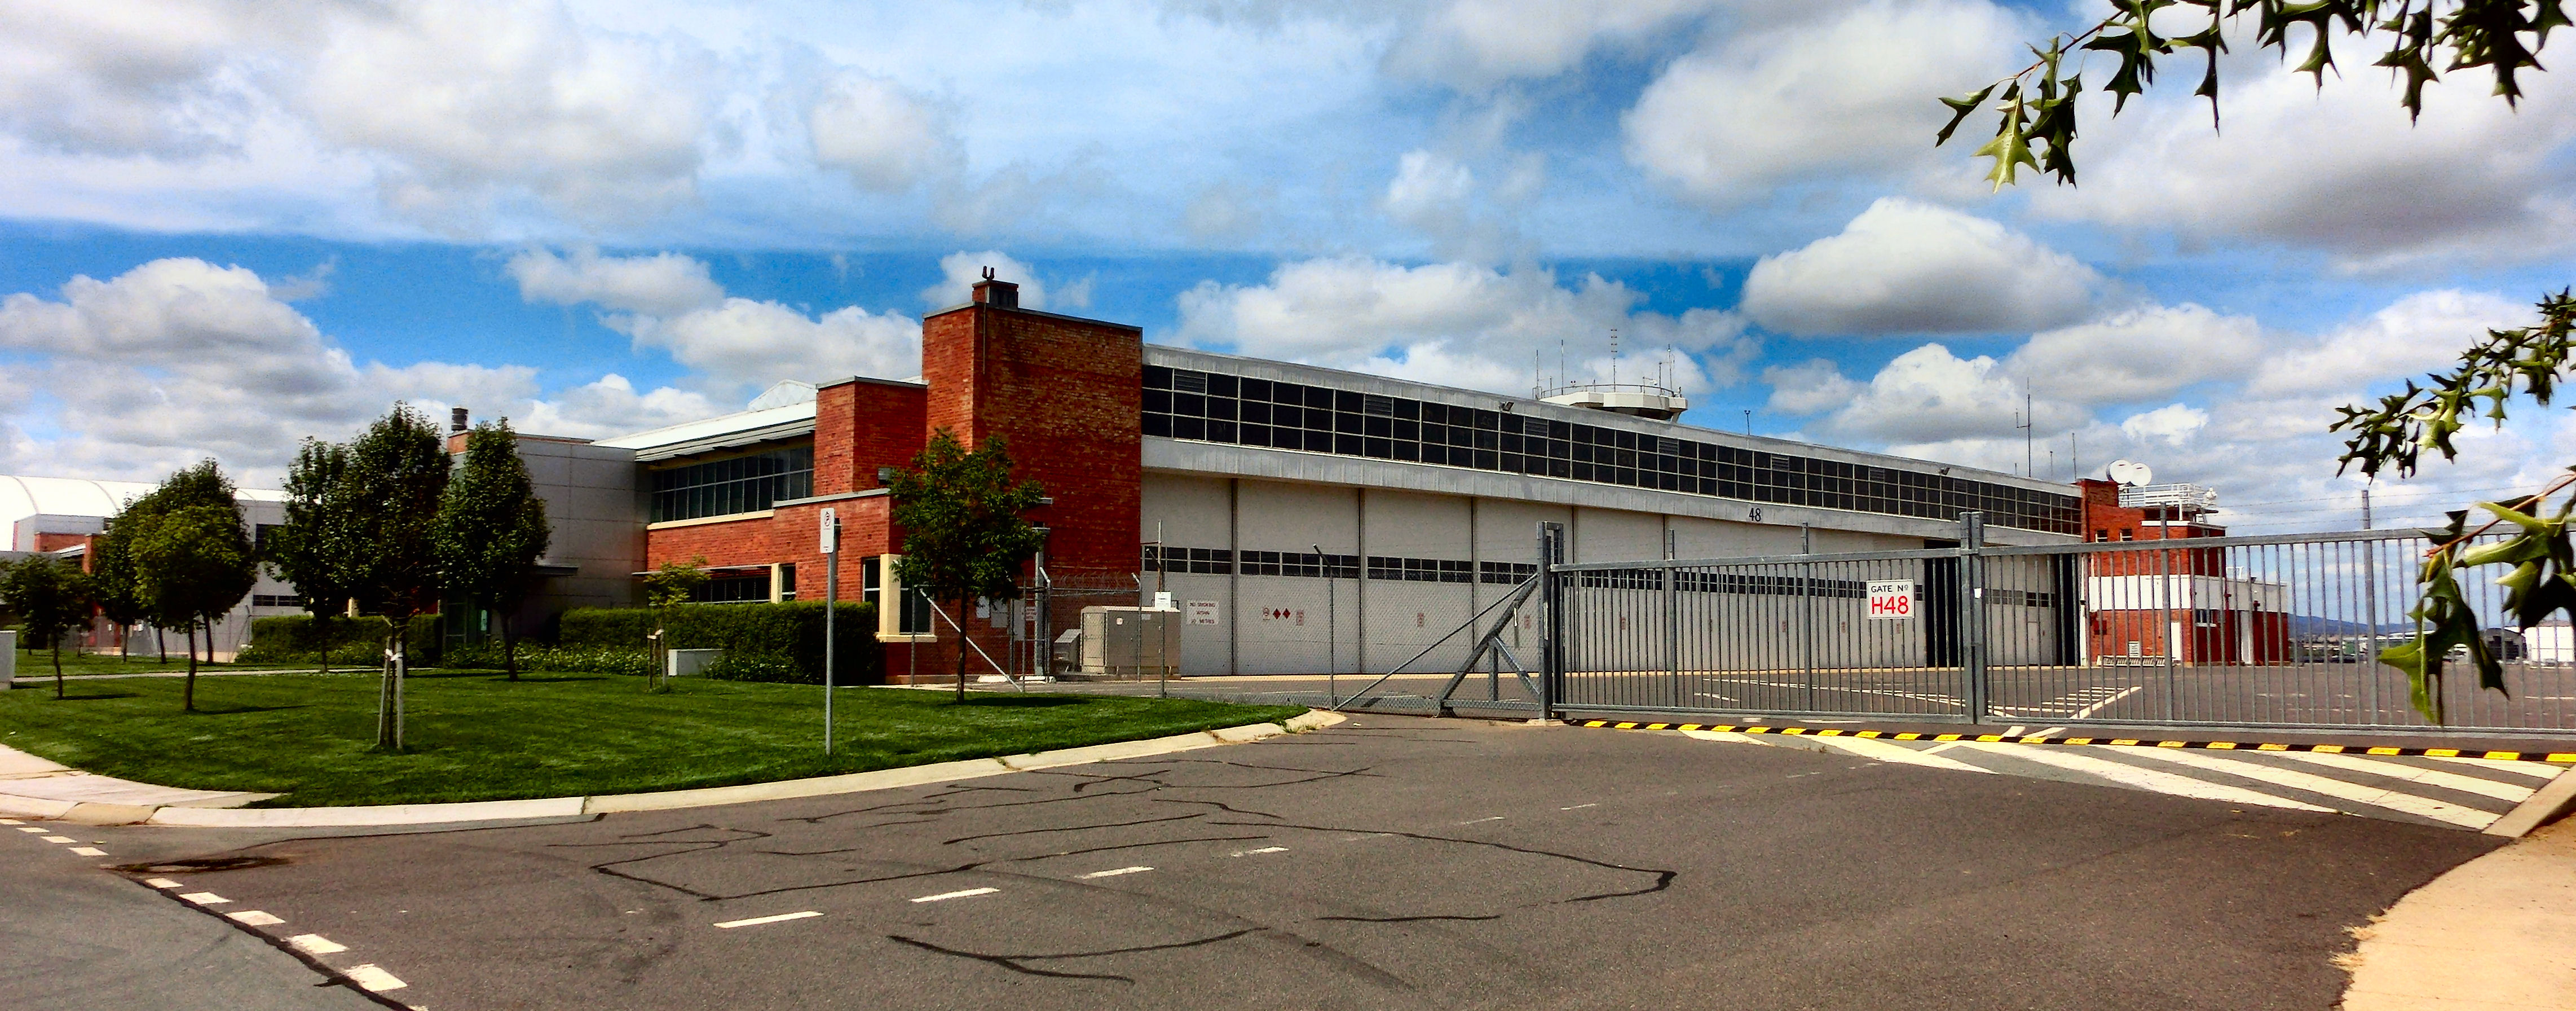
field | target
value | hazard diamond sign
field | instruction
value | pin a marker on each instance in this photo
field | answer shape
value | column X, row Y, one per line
column 1891, row 598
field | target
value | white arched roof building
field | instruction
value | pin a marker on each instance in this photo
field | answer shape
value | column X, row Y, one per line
column 75, row 505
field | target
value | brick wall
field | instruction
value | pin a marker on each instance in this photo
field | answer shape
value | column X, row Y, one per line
column 861, row 425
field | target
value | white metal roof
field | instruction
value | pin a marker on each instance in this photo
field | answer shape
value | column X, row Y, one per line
column 706, row 430
column 21, row 497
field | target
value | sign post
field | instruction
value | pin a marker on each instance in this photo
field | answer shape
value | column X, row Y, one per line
column 831, row 530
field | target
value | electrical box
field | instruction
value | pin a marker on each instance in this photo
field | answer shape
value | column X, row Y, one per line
column 1141, row 642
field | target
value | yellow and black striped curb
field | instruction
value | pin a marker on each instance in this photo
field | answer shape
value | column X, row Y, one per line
column 2568, row 757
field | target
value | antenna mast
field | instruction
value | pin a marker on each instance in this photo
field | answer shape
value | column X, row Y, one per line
column 1614, row 356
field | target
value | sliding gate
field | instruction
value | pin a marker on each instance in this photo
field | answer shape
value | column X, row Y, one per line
column 2271, row 631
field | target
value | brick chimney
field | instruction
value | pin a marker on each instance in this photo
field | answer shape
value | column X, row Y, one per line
column 998, row 294
column 456, row 419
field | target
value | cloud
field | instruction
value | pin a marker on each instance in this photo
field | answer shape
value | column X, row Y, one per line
column 883, row 137
column 1848, row 95
column 2139, row 353
column 2340, row 168
column 1809, row 387
column 178, row 358
column 1224, row 212
column 663, row 284
column 2171, row 425
column 1927, row 395
column 1907, row 267
column 1479, row 43
column 747, row 343
column 1458, row 324
column 130, row 78
column 2416, row 334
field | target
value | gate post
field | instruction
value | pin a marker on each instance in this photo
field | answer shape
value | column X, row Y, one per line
column 1972, row 613
column 1551, row 620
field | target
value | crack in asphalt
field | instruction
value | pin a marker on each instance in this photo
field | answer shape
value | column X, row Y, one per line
column 1071, row 828
column 1012, row 962
column 1408, row 919
column 1218, row 804
column 1663, row 878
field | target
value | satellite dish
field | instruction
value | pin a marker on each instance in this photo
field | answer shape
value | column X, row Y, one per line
column 2131, row 473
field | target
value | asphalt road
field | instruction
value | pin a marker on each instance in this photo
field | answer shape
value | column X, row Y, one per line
column 1384, row 863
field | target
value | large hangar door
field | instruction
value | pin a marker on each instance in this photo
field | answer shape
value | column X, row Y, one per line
column 1940, row 607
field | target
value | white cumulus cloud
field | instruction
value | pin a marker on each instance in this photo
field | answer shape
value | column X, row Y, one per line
column 1908, row 267
column 882, row 136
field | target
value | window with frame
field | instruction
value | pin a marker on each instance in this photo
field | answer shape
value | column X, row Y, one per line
column 738, row 484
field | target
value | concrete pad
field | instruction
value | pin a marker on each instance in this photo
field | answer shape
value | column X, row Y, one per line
column 1241, row 735
column 390, row 814
column 818, row 786
column 1313, row 719
column 108, row 814
column 2496, row 932
column 1113, row 752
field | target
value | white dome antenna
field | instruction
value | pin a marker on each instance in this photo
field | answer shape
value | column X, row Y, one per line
column 2131, row 473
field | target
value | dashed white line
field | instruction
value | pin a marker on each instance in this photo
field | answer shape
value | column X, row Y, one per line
column 374, row 979
column 205, row 898
column 1481, row 821
column 2088, row 711
column 945, row 896
column 89, row 851
column 1579, row 807
column 59, row 839
column 8, row 821
column 758, row 920
column 35, row 829
column 1265, row 849
column 2374, row 796
column 1118, row 871
column 316, row 944
column 2511, row 793
column 162, row 883
column 254, row 918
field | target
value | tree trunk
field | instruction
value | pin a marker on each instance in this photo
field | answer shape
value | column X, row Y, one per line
column 124, row 643
column 509, row 650
column 161, row 644
column 961, row 648
column 402, row 669
column 385, row 699
column 188, row 695
column 322, row 637
column 58, row 667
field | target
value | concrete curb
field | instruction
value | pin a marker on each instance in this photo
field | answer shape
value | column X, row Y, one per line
column 2541, row 808
column 669, row 800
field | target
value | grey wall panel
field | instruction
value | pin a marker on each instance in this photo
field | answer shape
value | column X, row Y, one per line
column 1191, row 510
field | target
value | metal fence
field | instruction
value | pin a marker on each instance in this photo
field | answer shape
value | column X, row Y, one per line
column 2271, row 631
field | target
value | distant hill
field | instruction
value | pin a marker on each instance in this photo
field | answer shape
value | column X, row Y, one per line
column 2307, row 625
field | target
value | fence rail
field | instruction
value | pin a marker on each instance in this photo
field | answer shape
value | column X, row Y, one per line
column 2269, row 631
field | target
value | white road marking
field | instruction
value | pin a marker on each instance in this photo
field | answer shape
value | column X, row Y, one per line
column 2099, row 706
column 1117, row 872
column 2371, row 795
column 1886, row 752
column 1579, row 807
column 8, row 821
column 2145, row 779
column 1481, row 821
column 36, row 830
column 89, row 851
column 945, row 896
column 255, row 918
column 780, row 918
column 2541, row 772
column 316, row 944
column 162, row 883
column 205, row 898
column 2015, row 731
column 59, row 839
column 374, row 979
column 2512, row 793
column 1265, row 849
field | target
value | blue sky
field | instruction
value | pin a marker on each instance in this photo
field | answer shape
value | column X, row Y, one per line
column 226, row 226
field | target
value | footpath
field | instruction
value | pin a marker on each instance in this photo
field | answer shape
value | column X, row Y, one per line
column 2495, row 934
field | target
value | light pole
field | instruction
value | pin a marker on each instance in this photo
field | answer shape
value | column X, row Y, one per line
column 831, row 531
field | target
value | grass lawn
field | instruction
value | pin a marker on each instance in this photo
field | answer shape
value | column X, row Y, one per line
column 474, row 736
column 40, row 665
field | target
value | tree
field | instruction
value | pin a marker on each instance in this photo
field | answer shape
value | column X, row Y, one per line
column 669, row 586
column 192, row 559
column 965, row 533
column 317, row 549
column 492, row 529
column 395, row 479
column 112, row 584
column 51, row 597
column 2035, row 126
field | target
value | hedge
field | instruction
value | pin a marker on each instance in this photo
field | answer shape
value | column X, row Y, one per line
column 291, row 638
column 539, row 657
column 763, row 641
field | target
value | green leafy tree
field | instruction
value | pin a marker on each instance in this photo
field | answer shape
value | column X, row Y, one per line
column 317, row 549
column 396, row 476
column 52, row 599
column 666, row 587
column 193, row 561
column 113, row 587
column 2035, row 112
column 965, row 528
column 492, row 529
